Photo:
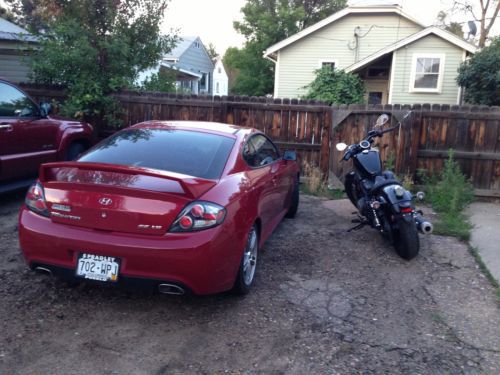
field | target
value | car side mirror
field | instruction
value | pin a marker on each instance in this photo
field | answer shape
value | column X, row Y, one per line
column 290, row 155
column 45, row 109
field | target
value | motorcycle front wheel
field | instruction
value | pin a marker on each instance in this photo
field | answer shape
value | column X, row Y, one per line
column 405, row 237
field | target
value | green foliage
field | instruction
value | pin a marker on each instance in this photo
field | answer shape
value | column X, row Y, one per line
column 163, row 81
column 455, row 28
column 453, row 224
column 449, row 193
column 480, row 76
column 249, row 73
column 336, row 86
column 212, row 51
column 97, row 47
column 266, row 22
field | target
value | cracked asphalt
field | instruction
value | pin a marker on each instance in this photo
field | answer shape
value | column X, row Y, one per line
column 325, row 302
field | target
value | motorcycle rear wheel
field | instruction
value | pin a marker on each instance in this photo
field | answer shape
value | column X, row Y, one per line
column 406, row 240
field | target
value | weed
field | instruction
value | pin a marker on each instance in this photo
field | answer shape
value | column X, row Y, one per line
column 390, row 161
column 453, row 224
column 314, row 183
column 438, row 318
column 449, row 193
column 484, row 269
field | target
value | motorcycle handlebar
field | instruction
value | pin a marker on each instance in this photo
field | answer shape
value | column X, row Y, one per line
column 373, row 134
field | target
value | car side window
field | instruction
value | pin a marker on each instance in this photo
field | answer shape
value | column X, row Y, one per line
column 259, row 151
column 13, row 103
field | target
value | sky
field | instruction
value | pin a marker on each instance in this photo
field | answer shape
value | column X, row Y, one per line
column 212, row 20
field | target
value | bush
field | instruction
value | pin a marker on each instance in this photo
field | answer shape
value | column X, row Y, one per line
column 452, row 192
column 335, row 86
column 480, row 76
column 449, row 193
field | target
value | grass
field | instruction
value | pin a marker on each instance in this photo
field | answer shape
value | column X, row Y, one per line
column 454, row 225
column 475, row 253
column 314, row 183
column 326, row 192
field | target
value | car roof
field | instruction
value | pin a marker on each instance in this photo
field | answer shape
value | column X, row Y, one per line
column 204, row 126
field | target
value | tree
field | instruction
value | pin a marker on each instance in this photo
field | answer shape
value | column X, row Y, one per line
column 452, row 27
column 336, row 86
column 212, row 52
column 487, row 15
column 34, row 15
column 96, row 47
column 163, row 81
column 266, row 22
column 455, row 28
column 480, row 76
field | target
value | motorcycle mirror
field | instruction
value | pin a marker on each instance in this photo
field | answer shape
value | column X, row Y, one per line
column 341, row 146
column 381, row 120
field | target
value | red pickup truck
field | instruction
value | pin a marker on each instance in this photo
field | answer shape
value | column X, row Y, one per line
column 30, row 136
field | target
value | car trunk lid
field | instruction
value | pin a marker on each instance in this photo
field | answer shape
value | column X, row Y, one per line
column 118, row 198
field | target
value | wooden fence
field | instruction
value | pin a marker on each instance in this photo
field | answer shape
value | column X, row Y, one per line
column 313, row 128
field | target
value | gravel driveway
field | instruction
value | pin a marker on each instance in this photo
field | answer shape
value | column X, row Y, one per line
column 325, row 301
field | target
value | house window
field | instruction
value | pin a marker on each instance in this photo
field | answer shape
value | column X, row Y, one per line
column 427, row 73
column 328, row 63
column 375, row 97
column 219, row 70
column 217, row 87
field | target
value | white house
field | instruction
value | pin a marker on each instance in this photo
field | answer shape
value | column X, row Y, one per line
column 220, row 78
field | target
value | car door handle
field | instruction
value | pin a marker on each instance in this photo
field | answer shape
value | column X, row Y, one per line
column 5, row 126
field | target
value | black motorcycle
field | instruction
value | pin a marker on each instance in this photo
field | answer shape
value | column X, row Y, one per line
column 380, row 198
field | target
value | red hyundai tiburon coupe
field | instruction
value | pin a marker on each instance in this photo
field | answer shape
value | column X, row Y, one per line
column 180, row 206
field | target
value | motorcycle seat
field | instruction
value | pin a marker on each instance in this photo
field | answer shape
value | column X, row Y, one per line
column 381, row 182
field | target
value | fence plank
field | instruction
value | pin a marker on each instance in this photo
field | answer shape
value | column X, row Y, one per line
column 422, row 142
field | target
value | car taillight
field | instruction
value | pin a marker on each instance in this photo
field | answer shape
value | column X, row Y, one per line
column 198, row 216
column 35, row 200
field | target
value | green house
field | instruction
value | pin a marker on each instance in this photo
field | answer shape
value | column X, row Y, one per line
column 400, row 60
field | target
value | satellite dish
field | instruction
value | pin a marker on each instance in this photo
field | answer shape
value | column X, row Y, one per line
column 472, row 28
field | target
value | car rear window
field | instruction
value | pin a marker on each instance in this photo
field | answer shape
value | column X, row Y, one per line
column 181, row 151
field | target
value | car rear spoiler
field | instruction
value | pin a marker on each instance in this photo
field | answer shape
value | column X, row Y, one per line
column 192, row 186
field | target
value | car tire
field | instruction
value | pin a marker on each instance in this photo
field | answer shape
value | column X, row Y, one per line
column 248, row 265
column 292, row 211
column 74, row 150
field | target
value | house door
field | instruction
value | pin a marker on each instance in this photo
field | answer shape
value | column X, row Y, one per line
column 377, row 91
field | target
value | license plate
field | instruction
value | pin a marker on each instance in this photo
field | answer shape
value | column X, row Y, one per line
column 98, row 267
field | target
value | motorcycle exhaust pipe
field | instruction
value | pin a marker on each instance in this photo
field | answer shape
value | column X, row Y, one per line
column 423, row 226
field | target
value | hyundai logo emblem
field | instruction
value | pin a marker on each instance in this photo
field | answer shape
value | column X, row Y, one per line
column 105, row 201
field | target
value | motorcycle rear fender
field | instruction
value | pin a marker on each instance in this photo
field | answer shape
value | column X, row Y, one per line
column 393, row 201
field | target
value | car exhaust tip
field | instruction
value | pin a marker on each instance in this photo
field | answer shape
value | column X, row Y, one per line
column 43, row 270
column 170, row 289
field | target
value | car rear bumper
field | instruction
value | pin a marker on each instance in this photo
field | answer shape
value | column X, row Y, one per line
column 203, row 262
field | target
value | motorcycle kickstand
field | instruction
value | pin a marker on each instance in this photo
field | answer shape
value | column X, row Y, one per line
column 362, row 222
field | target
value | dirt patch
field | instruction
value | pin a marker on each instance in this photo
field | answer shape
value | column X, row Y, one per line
column 325, row 301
